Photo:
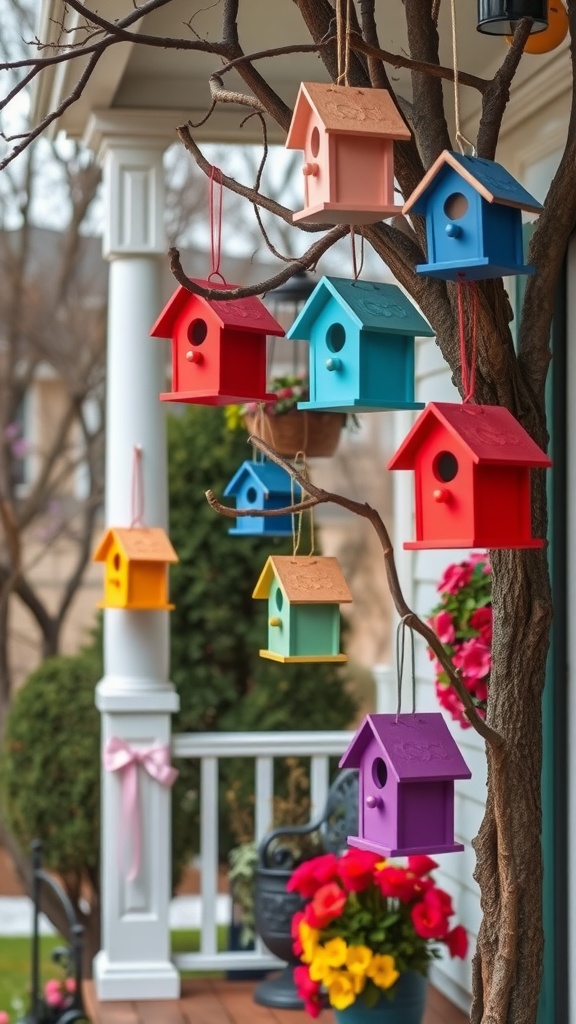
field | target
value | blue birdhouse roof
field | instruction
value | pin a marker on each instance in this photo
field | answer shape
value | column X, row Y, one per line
column 419, row 747
column 379, row 307
column 266, row 476
column 492, row 181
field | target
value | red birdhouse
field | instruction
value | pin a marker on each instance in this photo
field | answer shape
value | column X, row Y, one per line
column 347, row 136
column 218, row 347
column 472, row 477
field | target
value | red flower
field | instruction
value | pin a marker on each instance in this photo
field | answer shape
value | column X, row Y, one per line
column 356, row 869
column 442, row 900
column 309, row 876
column 443, row 626
column 295, row 933
column 428, row 920
column 457, row 941
column 473, row 658
column 308, row 990
column 481, row 620
column 455, row 577
column 421, row 865
column 398, row 883
column 329, row 902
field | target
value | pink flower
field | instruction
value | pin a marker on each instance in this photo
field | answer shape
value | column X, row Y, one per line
column 70, row 985
column 457, row 942
column 4, row 1018
column 450, row 701
column 285, row 392
column 481, row 620
column 455, row 577
column 443, row 626
column 473, row 658
column 53, row 993
column 480, row 556
column 308, row 990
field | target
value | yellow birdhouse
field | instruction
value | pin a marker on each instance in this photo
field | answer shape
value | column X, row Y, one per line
column 136, row 560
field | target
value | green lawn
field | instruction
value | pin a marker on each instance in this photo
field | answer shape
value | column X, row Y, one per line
column 15, row 962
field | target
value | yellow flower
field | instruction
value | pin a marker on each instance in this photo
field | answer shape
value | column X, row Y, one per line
column 382, row 970
column 309, row 939
column 358, row 959
column 320, row 969
column 341, row 990
column 336, row 950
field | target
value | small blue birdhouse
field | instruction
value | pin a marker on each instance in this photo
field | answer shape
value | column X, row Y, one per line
column 303, row 594
column 260, row 486
column 361, row 336
column 473, row 219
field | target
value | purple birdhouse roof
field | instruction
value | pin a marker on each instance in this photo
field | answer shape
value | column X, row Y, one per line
column 248, row 314
column 490, row 434
column 419, row 747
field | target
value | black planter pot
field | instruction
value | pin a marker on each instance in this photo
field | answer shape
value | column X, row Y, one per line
column 273, row 910
column 498, row 17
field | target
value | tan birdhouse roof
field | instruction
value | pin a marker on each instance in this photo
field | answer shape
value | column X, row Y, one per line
column 138, row 544
column 345, row 110
column 305, row 579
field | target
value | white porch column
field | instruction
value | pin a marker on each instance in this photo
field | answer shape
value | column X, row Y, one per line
column 135, row 696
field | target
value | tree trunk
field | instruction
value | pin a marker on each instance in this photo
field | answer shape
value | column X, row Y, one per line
column 507, row 969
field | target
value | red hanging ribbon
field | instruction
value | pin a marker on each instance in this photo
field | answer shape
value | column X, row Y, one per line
column 468, row 372
column 215, row 210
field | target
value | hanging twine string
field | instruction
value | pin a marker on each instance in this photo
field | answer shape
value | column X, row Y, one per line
column 468, row 372
column 343, row 18
column 400, row 648
column 301, row 465
column 215, row 214
column 356, row 269
column 464, row 145
column 137, row 497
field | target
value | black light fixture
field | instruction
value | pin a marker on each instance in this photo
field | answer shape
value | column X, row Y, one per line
column 500, row 17
column 285, row 303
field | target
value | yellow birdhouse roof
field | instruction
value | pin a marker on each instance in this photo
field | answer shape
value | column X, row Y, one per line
column 346, row 110
column 138, row 544
column 305, row 579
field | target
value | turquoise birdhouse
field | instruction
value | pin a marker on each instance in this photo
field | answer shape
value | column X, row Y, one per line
column 361, row 336
column 304, row 595
column 262, row 486
column 473, row 210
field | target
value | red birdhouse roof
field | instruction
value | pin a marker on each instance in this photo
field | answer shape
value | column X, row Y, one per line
column 490, row 434
column 245, row 314
column 420, row 747
column 345, row 110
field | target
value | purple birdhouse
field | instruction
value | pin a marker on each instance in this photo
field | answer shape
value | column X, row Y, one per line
column 408, row 765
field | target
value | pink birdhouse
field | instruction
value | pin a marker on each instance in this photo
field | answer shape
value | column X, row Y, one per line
column 218, row 347
column 472, row 468
column 347, row 136
column 408, row 765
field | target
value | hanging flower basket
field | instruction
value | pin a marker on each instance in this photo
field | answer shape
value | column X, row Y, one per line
column 314, row 433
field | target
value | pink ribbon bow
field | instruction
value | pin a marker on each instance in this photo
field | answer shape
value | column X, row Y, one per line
column 119, row 756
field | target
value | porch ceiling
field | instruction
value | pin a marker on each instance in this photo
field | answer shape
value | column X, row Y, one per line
column 172, row 85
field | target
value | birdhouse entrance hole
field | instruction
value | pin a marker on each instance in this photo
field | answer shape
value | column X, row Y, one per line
column 445, row 467
column 379, row 772
column 116, row 562
column 251, row 495
column 456, row 206
column 315, row 142
column 197, row 331
column 279, row 599
column 335, row 337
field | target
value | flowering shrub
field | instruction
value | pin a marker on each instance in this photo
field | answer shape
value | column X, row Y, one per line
column 58, row 996
column 367, row 921
column 463, row 622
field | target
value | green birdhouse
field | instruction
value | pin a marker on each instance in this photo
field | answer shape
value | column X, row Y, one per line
column 304, row 595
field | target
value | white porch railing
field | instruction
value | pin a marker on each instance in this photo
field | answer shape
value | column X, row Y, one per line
column 262, row 748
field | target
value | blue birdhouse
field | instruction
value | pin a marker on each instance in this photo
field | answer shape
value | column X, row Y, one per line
column 262, row 485
column 361, row 336
column 473, row 219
